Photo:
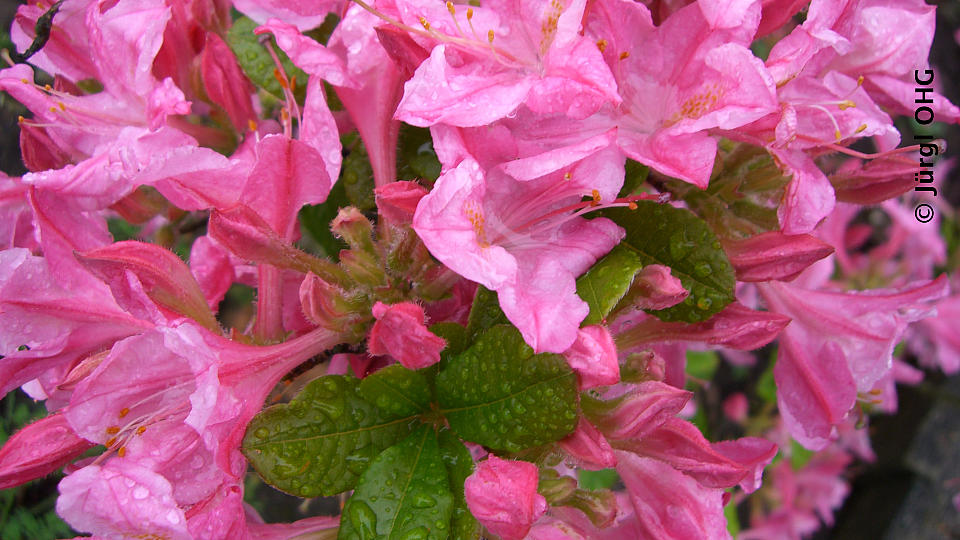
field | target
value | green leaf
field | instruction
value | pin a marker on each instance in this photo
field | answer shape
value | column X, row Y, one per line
column 357, row 174
column 416, row 157
column 397, row 390
column 499, row 394
column 635, row 175
column 484, row 313
column 733, row 520
column 459, row 462
column 315, row 220
column 766, row 385
column 662, row 234
column 322, row 441
column 702, row 364
column 602, row 479
column 607, row 282
column 799, row 456
column 257, row 63
column 455, row 335
column 404, row 495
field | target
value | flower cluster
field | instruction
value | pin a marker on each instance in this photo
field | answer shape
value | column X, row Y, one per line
column 483, row 240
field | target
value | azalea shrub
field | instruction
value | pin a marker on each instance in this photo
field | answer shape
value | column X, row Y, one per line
column 498, row 269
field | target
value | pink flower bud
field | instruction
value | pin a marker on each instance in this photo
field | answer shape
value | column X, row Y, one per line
column 655, row 288
column 355, row 229
column 589, row 446
column 737, row 327
column 503, row 496
column 39, row 449
column 38, row 149
column 330, row 306
column 397, row 201
column 647, row 406
column 594, row 357
column 401, row 333
column 645, row 365
column 775, row 255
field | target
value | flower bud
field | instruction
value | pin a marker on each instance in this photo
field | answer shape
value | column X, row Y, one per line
column 400, row 332
column 397, row 201
column 655, row 288
column 503, row 496
column 331, row 307
column 594, row 357
column 774, row 255
column 589, row 447
column 355, row 229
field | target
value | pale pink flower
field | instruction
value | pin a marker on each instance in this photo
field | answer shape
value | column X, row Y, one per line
column 502, row 495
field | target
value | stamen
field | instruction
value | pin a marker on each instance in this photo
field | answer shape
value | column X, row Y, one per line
column 141, row 429
column 424, row 23
column 490, row 37
column 251, row 125
column 602, row 44
column 122, row 451
column 846, row 104
column 110, row 442
column 123, row 412
column 113, row 430
column 624, row 55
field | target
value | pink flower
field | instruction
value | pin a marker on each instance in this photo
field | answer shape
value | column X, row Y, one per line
column 837, row 344
column 669, row 504
column 400, row 332
column 525, row 53
column 593, row 356
column 589, row 447
column 517, row 239
column 503, row 496
column 774, row 255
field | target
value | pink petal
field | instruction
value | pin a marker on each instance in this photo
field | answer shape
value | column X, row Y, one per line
column 400, row 332
column 38, row 449
column 589, row 447
column 593, row 356
column 642, row 410
column 774, row 255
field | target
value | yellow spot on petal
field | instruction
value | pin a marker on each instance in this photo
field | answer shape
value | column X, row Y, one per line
column 476, row 218
column 860, row 80
column 862, row 128
column 567, row 175
column 47, row 87
column 837, row 134
column 490, row 36
column 24, row 81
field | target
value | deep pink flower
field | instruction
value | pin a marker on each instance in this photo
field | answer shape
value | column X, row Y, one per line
column 39, row 448
column 589, row 447
column 400, row 332
column 657, row 289
column 502, row 495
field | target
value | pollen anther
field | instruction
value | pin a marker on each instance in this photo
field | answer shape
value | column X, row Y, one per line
column 113, row 430
column 124, row 411
column 602, row 44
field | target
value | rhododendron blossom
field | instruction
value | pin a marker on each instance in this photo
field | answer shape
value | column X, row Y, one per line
column 542, row 269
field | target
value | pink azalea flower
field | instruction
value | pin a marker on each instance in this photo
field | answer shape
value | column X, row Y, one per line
column 593, row 356
column 397, row 201
column 503, row 496
column 774, row 255
column 304, row 14
column 400, row 332
column 851, row 334
column 516, row 238
column 171, row 406
column 487, row 61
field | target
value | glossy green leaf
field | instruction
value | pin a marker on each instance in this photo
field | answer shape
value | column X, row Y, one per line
column 416, row 158
column 257, row 63
column 607, row 282
column 322, row 441
column 397, row 390
column 459, row 463
column 674, row 237
column 635, row 174
column 403, row 495
column 484, row 313
column 602, row 479
column 454, row 334
column 499, row 394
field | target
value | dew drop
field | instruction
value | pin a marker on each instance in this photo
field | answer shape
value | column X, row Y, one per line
column 420, row 533
column 261, row 433
column 140, row 493
column 362, row 518
column 422, row 500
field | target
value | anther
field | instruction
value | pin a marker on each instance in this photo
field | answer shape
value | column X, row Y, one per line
column 632, row 205
column 424, row 23
column 451, row 9
column 110, row 442
column 837, row 135
column 47, row 87
column 251, row 125
column 602, row 44
column 122, row 451
column 567, row 175
column 490, row 36
column 20, row 119
column 62, row 106
column 53, row 109
column 293, row 83
column 24, row 81
column 624, row 55
column 124, row 411
column 862, row 128
column 113, row 430
column 846, row 104
column 141, row 429
column 860, row 80
column 469, row 13
column 280, row 78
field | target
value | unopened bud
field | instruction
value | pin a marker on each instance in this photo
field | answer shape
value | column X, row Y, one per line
column 643, row 366
column 331, row 307
column 355, row 229
column 555, row 488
